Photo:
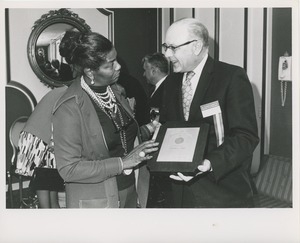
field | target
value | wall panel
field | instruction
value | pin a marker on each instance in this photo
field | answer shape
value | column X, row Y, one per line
column 207, row 17
column 255, row 69
column 165, row 23
column 232, row 36
column 268, row 83
column 180, row 13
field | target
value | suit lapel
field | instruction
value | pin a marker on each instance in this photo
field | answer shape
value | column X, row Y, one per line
column 203, row 84
column 155, row 99
column 178, row 93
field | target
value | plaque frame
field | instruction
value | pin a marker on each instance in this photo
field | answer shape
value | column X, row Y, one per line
column 180, row 166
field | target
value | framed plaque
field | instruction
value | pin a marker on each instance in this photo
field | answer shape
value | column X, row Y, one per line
column 181, row 147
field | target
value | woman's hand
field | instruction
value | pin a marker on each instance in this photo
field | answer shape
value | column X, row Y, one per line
column 139, row 154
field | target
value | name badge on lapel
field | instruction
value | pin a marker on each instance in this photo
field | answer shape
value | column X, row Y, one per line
column 214, row 109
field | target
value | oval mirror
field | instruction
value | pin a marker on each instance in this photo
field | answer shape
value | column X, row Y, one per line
column 43, row 46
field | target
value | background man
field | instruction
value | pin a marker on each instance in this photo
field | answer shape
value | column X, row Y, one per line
column 156, row 69
column 222, row 178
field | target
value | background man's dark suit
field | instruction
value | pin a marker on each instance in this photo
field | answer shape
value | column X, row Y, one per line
column 156, row 99
column 160, row 183
column 229, row 184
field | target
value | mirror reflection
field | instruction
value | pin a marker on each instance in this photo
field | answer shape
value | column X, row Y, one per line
column 47, row 52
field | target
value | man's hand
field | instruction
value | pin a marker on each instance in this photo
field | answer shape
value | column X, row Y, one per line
column 204, row 167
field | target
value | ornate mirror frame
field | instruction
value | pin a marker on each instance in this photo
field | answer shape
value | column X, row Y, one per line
column 61, row 16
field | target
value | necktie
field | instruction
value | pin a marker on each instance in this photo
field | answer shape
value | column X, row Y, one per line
column 187, row 94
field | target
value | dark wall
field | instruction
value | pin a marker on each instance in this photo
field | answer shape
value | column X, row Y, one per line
column 135, row 35
column 281, row 116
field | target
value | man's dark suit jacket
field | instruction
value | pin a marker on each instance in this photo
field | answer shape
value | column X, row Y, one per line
column 160, row 183
column 156, row 99
column 229, row 184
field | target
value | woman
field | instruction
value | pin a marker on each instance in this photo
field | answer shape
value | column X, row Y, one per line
column 94, row 128
column 35, row 154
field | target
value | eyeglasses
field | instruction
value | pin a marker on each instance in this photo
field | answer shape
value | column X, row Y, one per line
column 173, row 48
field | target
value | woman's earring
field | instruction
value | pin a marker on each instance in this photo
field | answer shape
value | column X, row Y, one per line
column 92, row 81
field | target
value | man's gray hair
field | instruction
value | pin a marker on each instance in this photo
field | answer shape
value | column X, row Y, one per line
column 196, row 29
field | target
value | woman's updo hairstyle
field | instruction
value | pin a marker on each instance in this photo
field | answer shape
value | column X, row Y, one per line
column 85, row 50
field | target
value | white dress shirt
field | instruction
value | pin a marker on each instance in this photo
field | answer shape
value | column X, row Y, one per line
column 158, row 84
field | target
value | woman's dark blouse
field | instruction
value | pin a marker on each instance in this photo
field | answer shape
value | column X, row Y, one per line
column 112, row 137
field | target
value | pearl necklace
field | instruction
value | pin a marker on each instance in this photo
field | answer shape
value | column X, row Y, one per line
column 108, row 100
column 103, row 100
column 122, row 131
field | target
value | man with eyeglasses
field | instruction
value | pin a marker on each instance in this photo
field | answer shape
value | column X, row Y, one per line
column 209, row 91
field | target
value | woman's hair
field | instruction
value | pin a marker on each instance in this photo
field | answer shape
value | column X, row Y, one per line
column 84, row 50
